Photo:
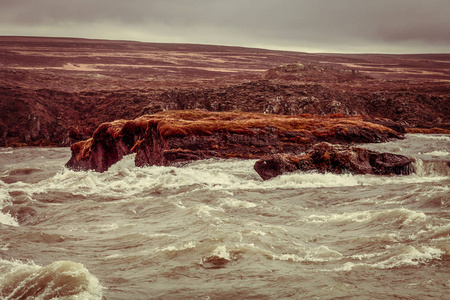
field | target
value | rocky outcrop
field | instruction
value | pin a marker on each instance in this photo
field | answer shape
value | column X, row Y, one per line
column 411, row 109
column 325, row 157
column 45, row 117
column 175, row 136
column 313, row 73
column 109, row 143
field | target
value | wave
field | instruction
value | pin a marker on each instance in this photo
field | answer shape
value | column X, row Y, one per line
column 22, row 171
column 319, row 254
column 65, row 280
column 7, row 219
column 438, row 153
column 235, row 203
column 395, row 253
column 125, row 181
column 23, row 174
column 436, row 232
column 5, row 199
column 221, row 255
column 6, row 150
column 438, row 137
column 400, row 216
column 218, row 258
column 402, row 256
column 432, row 168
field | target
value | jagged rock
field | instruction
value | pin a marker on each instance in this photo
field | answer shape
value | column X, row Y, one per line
column 388, row 123
column 109, row 143
column 325, row 157
column 173, row 136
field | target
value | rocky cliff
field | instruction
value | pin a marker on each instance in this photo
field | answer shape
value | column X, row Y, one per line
column 175, row 136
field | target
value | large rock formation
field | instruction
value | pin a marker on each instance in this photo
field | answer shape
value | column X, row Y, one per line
column 325, row 157
column 173, row 136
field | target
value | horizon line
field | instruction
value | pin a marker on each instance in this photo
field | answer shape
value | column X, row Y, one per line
column 265, row 48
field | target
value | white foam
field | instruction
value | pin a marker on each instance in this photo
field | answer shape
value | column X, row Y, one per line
column 345, row 217
column 125, row 181
column 204, row 210
column 410, row 256
column 6, row 152
column 108, row 227
column 433, row 232
column 390, row 180
column 7, row 219
column 4, row 195
column 401, row 257
column 319, row 254
column 5, row 247
column 64, row 280
column 312, row 180
column 430, row 137
column 348, row 266
column 5, row 198
column 221, row 252
column 403, row 215
column 437, row 170
column 437, row 153
column 367, row 255
column 172, row 248
column 234, row 203
column 323, row 253
column 258, row 232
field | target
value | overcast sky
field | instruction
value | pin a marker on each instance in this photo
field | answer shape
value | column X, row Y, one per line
column 381, row 26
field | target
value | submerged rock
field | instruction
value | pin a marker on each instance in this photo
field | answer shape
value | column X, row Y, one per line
column 175, row 136
column 325, row 157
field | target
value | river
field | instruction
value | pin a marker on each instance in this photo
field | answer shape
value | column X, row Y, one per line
column 214, row 230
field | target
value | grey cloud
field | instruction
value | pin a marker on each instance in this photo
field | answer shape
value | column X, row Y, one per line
column 263, row 22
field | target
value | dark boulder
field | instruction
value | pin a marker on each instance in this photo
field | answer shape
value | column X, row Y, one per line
column 325, row 157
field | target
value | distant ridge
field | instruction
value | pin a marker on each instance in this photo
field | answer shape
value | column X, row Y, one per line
column 56, row 91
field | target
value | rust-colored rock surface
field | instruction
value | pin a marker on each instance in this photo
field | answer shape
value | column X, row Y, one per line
column 57, row 91
column 175, row 136
column 325, row 157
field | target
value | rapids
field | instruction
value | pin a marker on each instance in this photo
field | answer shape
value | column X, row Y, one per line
column 214, row 230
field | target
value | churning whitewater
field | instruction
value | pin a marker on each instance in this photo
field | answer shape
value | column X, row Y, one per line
column 215, row 230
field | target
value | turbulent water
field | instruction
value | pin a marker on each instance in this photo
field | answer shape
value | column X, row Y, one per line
column 214, row 230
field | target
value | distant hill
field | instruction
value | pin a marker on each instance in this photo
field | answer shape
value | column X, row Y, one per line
column 55, row 91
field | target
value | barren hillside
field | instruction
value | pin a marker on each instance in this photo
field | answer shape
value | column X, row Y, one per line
column 55, row 91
